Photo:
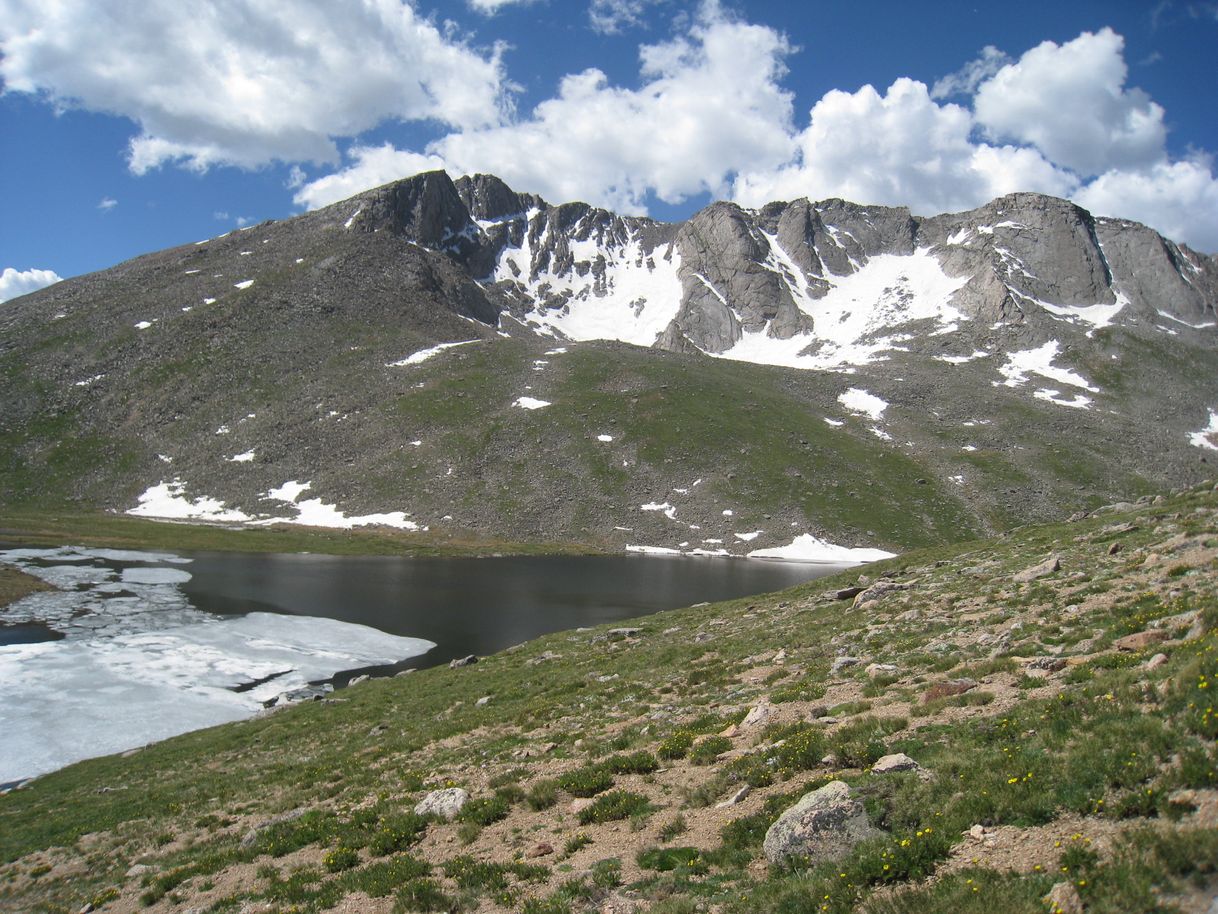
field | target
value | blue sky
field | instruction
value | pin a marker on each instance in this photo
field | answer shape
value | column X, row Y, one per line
column 129, row 127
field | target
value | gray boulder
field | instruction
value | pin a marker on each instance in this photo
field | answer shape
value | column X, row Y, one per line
column 898, row 761
column 443, row 803
column 824, row 825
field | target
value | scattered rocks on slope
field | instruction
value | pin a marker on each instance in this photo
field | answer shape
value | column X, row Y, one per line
column 824, row 825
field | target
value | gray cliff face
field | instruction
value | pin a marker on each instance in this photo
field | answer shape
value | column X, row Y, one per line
column 764, row 271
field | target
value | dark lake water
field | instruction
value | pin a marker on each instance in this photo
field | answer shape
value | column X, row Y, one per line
column 477, row 606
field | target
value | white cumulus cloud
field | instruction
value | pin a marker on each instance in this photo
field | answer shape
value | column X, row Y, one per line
column 612, row 16
column 1179, row 199
column 709, row 102
column 369, row 166
column 490, row 7
column 15, row 282
column 1071, row 103
column 899, row 148
column 246, row 82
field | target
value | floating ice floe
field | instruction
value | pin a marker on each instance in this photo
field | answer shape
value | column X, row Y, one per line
column 808, row 548
column 74, row 699
column 138, row 663
column 423, row 355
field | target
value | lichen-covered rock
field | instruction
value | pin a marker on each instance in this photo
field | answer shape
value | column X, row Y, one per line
column 897, row 761
column 824, row 825
column 443, row 803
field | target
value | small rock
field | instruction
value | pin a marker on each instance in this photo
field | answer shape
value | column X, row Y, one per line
column 618, row 904
column 1139, row 641
column 877, row 591
column 875, row 670
column 780, row 658
column 730, row 731
column 617, row 634
column 139, row 869
column 482, row 702
column 579, row 804
column 1063, row 899
column 1156, row 661
column 840, row 663
column 463, row 661
column 443, row 803
column 757, row 716
column 87, row 908
column 824, row 825
column 830, row 760
column 1047, row 567
column 977, row 832
column 543, row 657
column 540, row 850
column 898, row 761
column 735, row 798
column 1049, row 664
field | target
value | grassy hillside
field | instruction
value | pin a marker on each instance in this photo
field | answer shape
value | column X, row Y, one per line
column 597, row 762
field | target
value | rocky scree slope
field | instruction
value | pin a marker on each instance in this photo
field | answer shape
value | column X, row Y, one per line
column 726, row 384
column 1014, row 719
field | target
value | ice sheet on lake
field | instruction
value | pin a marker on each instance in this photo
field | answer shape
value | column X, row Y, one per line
column 139, row 663
column 111, row 694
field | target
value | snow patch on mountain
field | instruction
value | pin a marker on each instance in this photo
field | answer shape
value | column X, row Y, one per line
column 1039, row 361
column 1207, row 436
column 808, row 548
column 610, row 292
column 855, row 322
column 863, row 402
column 423, row 355
column 167, row 500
